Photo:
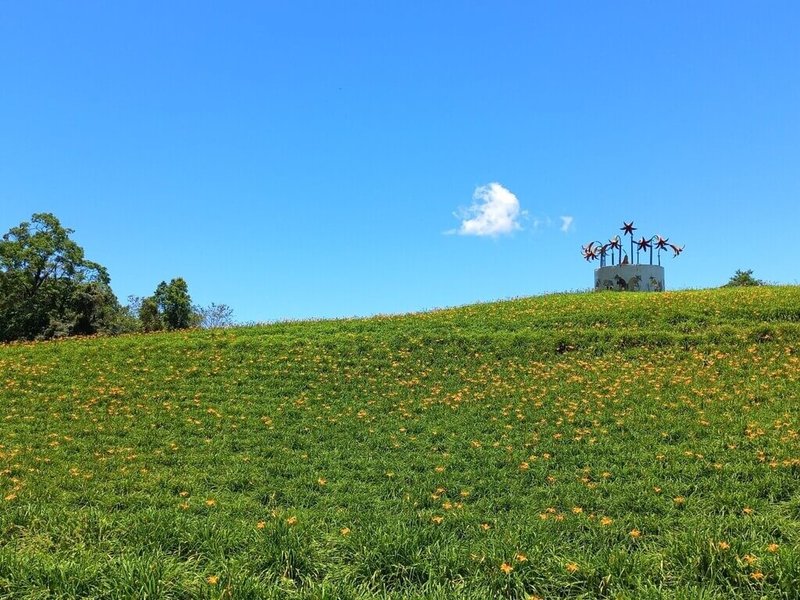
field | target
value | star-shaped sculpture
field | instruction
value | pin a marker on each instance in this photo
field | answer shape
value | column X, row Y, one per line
column 597, row 250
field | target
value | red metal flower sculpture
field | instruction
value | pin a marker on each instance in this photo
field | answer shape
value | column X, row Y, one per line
column 615, row 243
column 594, row 250
column 627, row 228
column 677, row 250
column 644, row 244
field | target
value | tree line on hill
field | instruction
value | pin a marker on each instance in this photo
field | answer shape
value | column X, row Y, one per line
column 49, row 289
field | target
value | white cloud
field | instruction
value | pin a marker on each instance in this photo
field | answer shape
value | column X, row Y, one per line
column 566, row 223
column 494, row 211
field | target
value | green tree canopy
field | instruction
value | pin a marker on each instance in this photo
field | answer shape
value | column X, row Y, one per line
column 149, row 317
column 175, row 304
column 47, row 286
column 743, row 279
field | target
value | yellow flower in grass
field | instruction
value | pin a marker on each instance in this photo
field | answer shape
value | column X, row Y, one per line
column 211, row 502
column 519, row 557
column 291, row 520
column 437, row 519
column 572, row 567
column 606, row 521
column 345, row 531
column 773, row 548
column 212, row 579
column 506, row 568
column 485, row 526
column 635, row 533
column 261, row 524
column 723, row 545
column 757, row 575
column 750, row 559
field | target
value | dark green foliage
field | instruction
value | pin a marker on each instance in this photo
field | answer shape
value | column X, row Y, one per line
column 47, row 286
column 93, row 305
column 149, row 315
column 743, row 279
column 167, row 310
column 175, row 304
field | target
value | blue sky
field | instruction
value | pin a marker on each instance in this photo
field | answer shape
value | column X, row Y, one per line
column 319, row 159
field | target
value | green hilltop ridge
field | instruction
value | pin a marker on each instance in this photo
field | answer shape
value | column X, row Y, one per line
column 623, row 445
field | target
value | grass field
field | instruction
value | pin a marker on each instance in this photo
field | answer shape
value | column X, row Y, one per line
column 564, row 446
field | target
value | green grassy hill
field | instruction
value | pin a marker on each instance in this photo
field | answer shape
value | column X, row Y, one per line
column 576, row 445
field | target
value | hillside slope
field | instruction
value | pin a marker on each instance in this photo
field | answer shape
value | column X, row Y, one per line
column 575, row 445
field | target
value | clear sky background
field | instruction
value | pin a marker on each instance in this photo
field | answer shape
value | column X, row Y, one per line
column 320, row 159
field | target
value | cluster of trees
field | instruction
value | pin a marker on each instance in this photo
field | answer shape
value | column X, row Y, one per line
column 48, row 289
column 170, row 307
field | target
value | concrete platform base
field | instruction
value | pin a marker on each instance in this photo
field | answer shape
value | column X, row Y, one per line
column 630, row 278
